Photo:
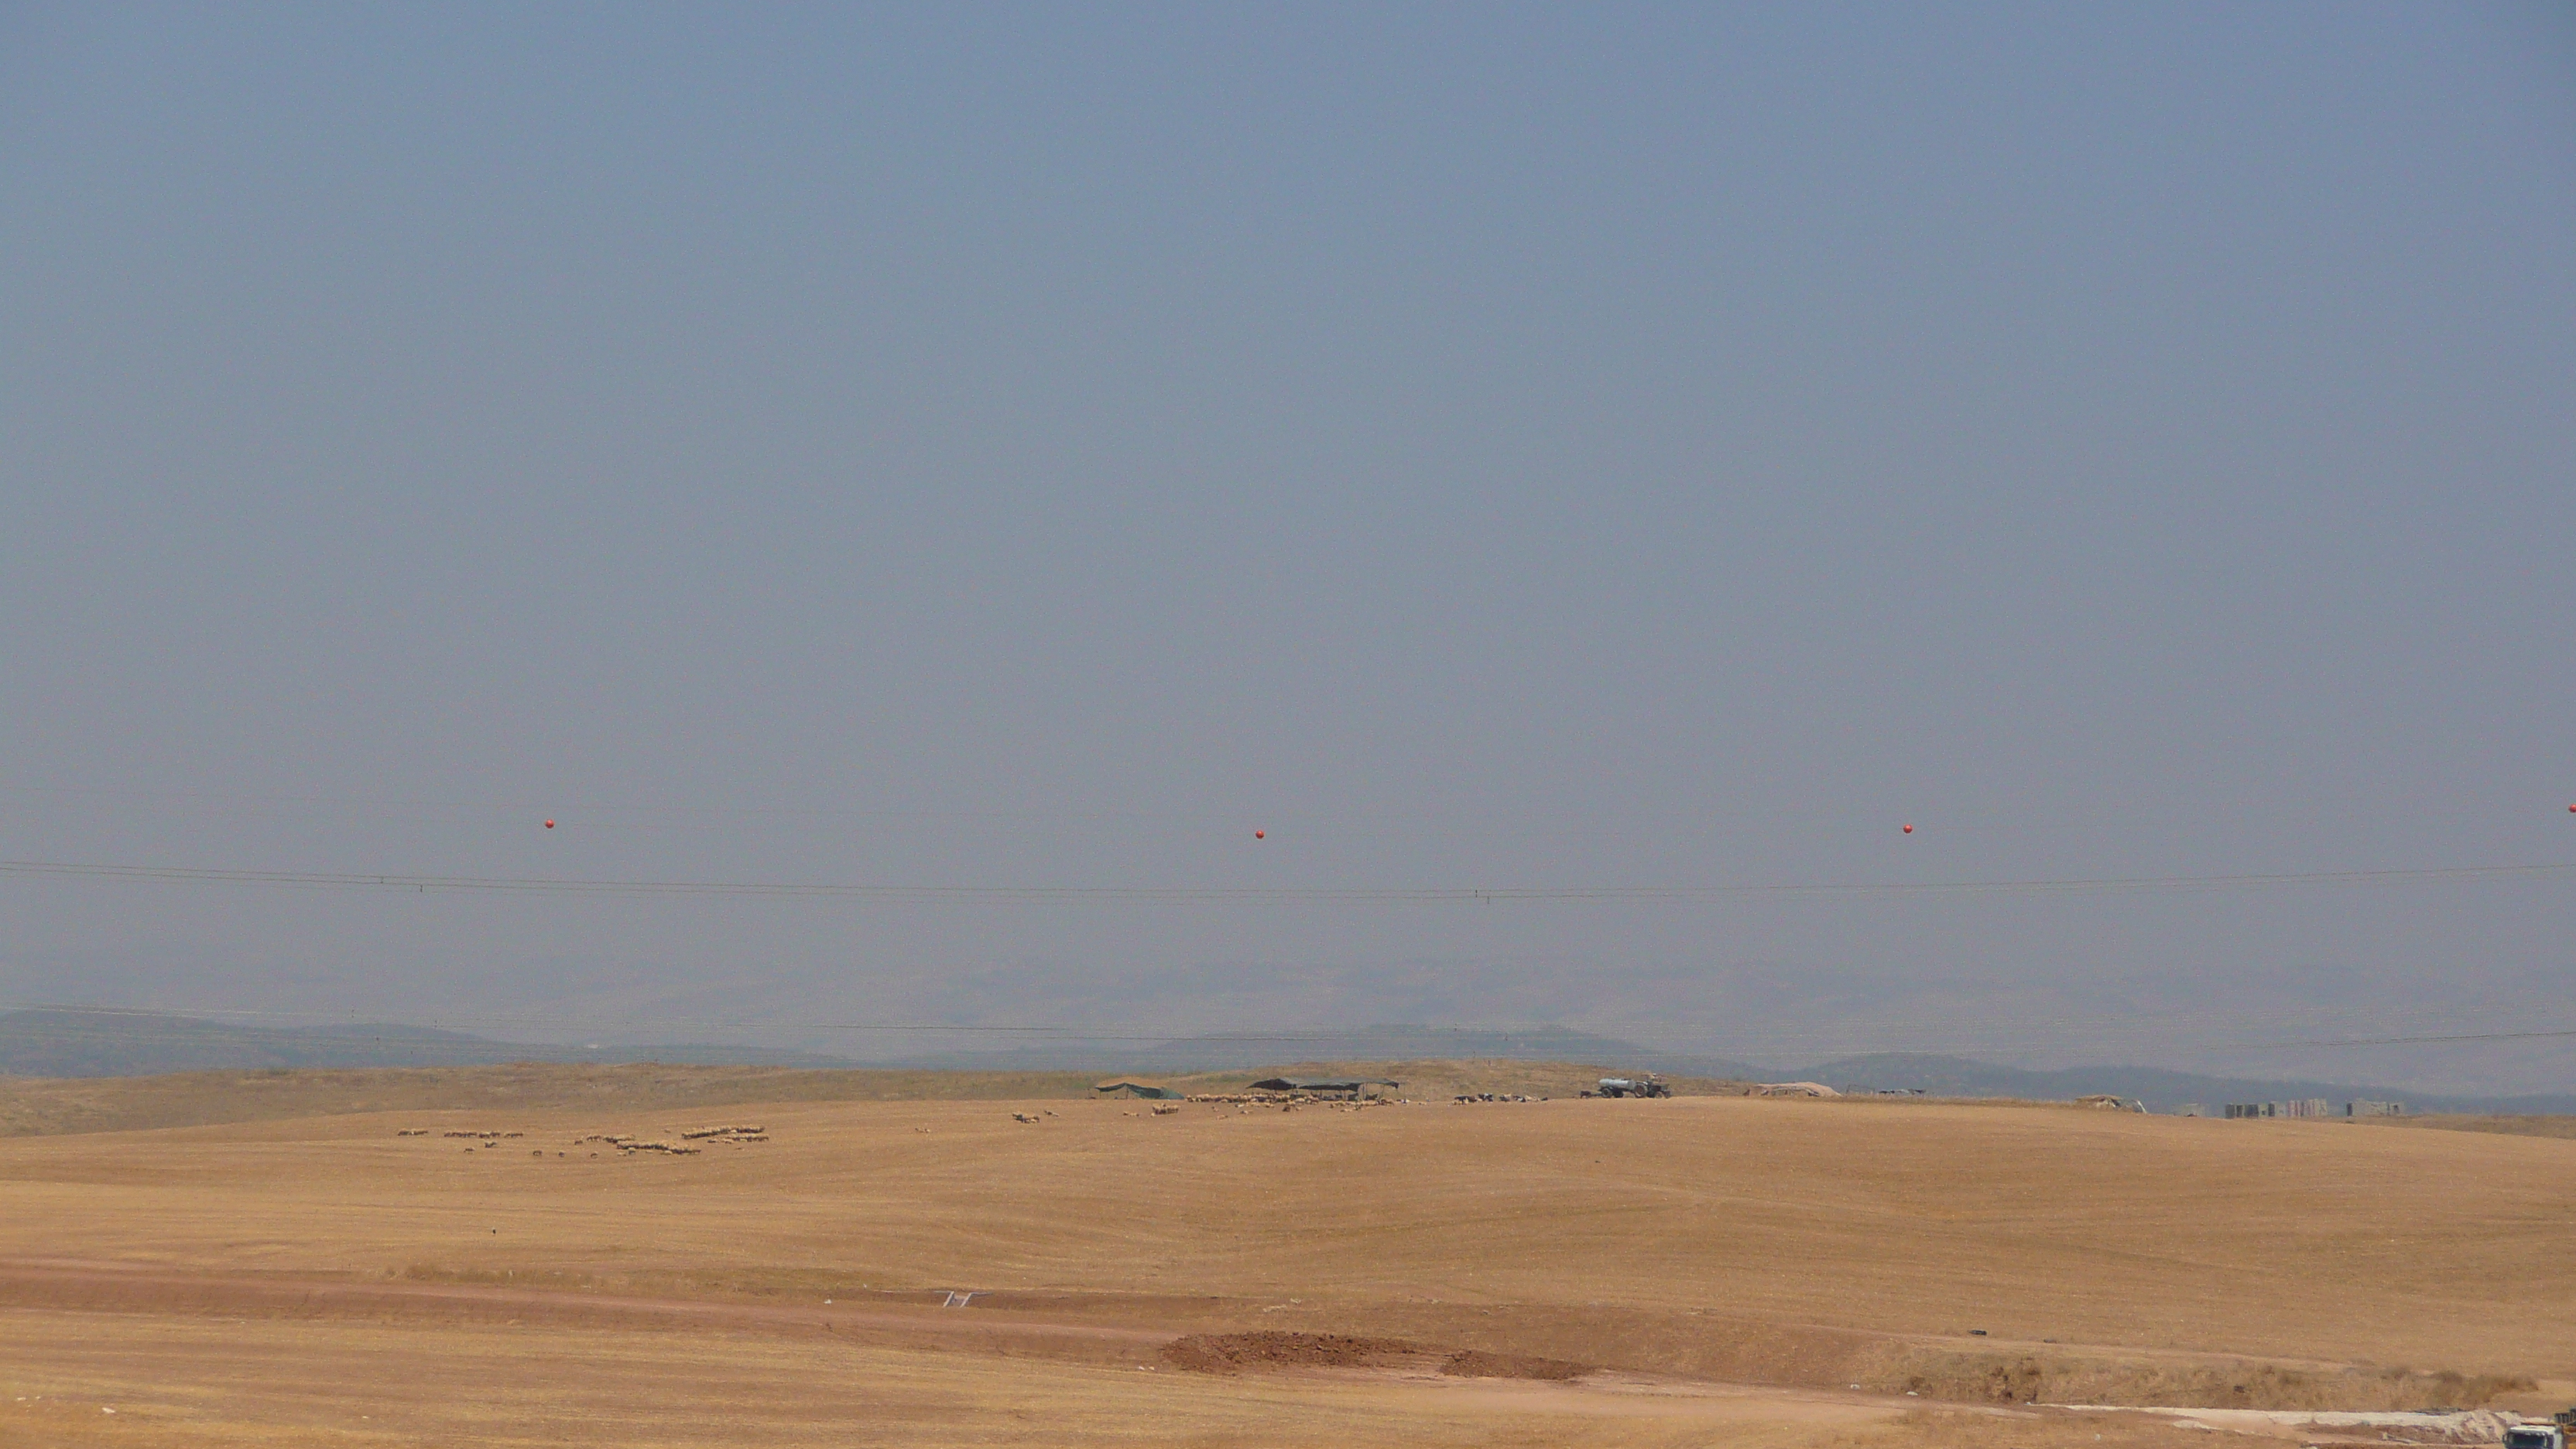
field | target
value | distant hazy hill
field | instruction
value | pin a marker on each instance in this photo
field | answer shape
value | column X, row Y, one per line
column 1361, row 1044
column 72, row 1043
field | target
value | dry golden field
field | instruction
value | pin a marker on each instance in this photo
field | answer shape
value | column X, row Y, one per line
column 2512, row 1126
column 1731, row 1271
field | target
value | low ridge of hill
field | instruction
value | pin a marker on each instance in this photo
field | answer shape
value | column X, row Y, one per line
column 38, row 1107
column 2160, row 1089
column 75, row 1043
column 43, row 1107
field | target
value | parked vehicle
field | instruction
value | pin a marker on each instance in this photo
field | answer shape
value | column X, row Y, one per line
column 2552, row 1435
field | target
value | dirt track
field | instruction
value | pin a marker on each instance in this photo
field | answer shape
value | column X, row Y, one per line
column 109, row 1287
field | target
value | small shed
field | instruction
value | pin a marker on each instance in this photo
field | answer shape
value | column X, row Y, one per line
column 1140, row 1089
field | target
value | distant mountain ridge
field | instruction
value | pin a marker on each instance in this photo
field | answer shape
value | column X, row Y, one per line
column 1217, row 1051
column 69, row 1042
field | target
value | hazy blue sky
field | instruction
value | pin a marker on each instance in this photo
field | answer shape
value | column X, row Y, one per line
column 1480, row 446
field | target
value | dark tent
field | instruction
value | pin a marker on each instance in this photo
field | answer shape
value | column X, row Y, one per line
column 1139, row 1089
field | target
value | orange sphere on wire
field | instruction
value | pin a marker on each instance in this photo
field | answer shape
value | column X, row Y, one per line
column 1261, row 835
column 1908, row 829
column 550, row 825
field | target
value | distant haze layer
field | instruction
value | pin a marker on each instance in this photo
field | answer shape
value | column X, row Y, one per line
column 1324, row 449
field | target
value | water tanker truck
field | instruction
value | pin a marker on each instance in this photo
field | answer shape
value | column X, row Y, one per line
column 1648, row 1085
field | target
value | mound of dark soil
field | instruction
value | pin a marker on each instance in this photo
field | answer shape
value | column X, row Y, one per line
column 1229, row 1353
column 1225, row 1353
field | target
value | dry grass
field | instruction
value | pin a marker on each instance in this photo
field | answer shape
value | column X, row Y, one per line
column 269, row 1383
column 1785, row 1243
column 2052, row 1379
column 2509, row 1126
column 323, row 1385
column 1939, row 1429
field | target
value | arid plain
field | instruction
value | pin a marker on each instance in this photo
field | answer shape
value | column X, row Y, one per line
column 1721, row 1270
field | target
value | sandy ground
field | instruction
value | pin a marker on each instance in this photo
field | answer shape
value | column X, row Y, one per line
column 333, row 1381
column 1732, row 1267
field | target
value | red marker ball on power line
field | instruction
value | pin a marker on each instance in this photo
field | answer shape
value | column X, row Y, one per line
column 1908, row 829
column 551, row 825
column 1260, row 834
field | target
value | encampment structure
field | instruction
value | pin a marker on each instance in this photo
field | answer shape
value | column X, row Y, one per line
column 1341, row 1088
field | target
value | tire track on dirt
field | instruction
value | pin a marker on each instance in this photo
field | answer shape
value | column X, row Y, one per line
column 75, row 1285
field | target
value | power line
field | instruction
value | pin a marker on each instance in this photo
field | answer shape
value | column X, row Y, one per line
column 2354, row 1041
column 2196, row 1018
column 1283, row 895
column 161, row 1025
column 673, row 808
column 352, row 1030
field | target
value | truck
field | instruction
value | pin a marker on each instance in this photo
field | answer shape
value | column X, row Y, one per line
column 2552, row 1435
column 1644, row 1085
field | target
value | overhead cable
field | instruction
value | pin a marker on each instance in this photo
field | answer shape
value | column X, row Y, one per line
column 1280, row 895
